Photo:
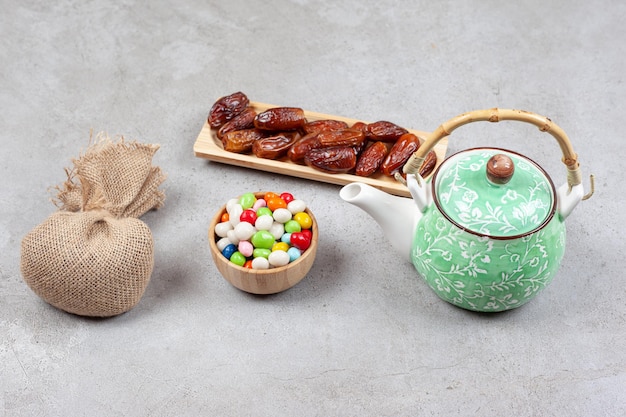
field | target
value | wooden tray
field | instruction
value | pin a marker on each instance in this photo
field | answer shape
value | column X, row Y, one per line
column 208, row 146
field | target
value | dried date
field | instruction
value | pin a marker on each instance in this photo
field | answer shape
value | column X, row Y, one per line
column 241, row 141
column 332, row 160
column 302, row 146
column 384, row 131
column 400, row 153
column 280, row 119
column 429, row 164
column 244, row 120
column 371, row 159
column 317, row 126
column 274, row 147
column 226, row 108
column 329, row 145
column 361, row 126
column 344, row 137
column 360, row 148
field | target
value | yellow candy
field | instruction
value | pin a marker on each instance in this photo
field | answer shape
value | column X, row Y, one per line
column 304, row 219
column 280, row 246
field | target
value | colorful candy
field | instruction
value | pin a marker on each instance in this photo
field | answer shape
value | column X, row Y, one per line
column 262, row 211
column 248, row 215
column 246, row 248
column 277, row 230
column 294, row 253
column 261, row 253
column 301, row 240
column 280, row 246
column 263, row 222
column 229, row 250
column 222, row 243
column 232, row 237
column 244, row 231
column 234, row 214
column 258, row 204
column 265, row 232
column 260, row 263
column 282, row 215
column 262, row 239
column 278, row 258
column 276, row 203
column 296, row 206
column 288, row 197
column 267, row 196
column 304, row 220
column 292, row 226
column 221, row 229
column 237, row 258
column 247, row 200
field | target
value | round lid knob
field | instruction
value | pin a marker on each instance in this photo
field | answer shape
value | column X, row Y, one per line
column 500, row 169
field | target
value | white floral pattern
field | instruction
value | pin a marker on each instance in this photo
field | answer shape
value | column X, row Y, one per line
column 484, row 274
column 495, row 210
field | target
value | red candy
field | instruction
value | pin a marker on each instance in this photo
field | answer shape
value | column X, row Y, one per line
column 301, row 240
column 287, row 197
column 249, row 216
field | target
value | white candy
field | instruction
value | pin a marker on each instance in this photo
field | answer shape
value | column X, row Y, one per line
column 232, row 237
column 264, row 222
column 278, row 258
column 296, row 206
column 222, row 243
column 260, row 263
column 222, row 228
column 234, row 214
column 244, row 230
column 277, row 230
column 230, row 203
column 282, row 215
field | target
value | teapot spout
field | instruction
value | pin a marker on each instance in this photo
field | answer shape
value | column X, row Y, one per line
column 397, row 216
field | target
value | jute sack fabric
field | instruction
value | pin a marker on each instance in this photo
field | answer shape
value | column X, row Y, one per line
column 94, row 257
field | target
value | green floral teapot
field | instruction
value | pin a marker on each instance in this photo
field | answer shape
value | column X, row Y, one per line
column 488, row 233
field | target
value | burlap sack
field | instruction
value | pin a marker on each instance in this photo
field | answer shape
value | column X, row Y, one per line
column 94, row 257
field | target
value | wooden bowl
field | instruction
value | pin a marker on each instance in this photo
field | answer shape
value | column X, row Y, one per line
column 263, row 281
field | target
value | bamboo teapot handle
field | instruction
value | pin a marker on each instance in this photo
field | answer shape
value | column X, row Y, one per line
column 570, row 159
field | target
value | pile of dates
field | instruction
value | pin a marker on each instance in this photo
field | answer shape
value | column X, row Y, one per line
column 331, row 146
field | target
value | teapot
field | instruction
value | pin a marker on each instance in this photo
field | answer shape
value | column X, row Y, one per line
column 487, row 230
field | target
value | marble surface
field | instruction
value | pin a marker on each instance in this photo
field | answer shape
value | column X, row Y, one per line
column 362, row 334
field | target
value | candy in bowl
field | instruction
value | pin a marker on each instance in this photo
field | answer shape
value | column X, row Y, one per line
column 264, row 243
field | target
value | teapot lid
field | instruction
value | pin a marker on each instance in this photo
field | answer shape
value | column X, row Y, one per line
column 494, row 192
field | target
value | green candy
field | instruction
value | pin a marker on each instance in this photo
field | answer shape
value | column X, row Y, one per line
column 247, row 200
column 237, row 258
column 262, row 239
column 261, row 253
column 292, row 226
column 262, row 211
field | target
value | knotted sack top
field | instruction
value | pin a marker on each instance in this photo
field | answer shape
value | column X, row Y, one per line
column 117, row 177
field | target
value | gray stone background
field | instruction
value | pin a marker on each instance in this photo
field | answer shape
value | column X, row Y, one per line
column 362, row 334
